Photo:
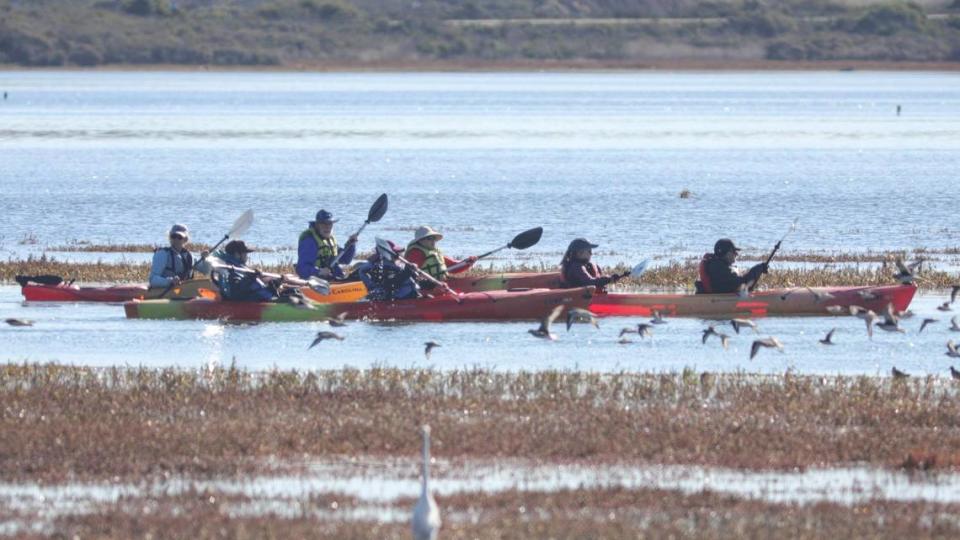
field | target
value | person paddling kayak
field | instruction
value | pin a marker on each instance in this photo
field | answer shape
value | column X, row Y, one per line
column 386, row 278
column 579, row 271
column 718, row 274
column 319, row 254
column 424, row 253
column 173, row 265
column 238, row 282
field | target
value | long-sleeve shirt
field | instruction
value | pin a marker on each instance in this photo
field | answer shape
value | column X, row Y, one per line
column 307, row 258
column 160, row 269
column 724, row 278
column 584, row 274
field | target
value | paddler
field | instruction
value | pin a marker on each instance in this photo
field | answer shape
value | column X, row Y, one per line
column 238, row 282
column 385, row 277
column 719, row 275
column 172, row 265
column 319, row 254
column 579, row 271
column 424, row 253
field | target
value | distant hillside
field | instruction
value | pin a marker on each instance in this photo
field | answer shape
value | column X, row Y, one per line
column 318, row 33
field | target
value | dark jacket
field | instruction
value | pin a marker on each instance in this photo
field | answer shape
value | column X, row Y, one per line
column 583, row 274
column 387, row 281
column 717, row 276
column 241, row 286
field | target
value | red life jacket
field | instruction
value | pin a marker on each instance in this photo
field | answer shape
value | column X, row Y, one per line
column 704, row 276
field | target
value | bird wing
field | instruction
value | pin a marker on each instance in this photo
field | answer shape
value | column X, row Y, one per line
column 830, row 334
column 548, row 320
column 952, row 347
column 902, row 267
column 754, row 348
column 953, row 293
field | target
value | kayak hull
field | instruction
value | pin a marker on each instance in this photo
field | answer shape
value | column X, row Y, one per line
column 480, row 306
column 505, row 281
column 791, row 302
column 63, row 292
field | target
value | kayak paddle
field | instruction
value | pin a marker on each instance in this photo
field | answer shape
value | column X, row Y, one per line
column 376, row 212
column 240, row 226
column 317, row 284
column 793, row 227
column 521, row 241
column 384, row 247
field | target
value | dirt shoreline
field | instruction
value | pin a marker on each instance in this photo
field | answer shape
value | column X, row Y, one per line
column 676, row 64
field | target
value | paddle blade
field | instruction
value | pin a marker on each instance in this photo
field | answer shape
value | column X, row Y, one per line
column 242, row 224
column 639, row 269
column 319, row 285
column 378, row 209
column 526, row 238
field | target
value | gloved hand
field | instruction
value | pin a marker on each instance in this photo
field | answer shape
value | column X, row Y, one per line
column 604, row 281
column 470, row 260
column 764, row 268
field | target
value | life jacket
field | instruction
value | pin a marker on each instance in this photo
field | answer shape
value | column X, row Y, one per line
column 703, row 285
column 433, row 262
column 171, row 269
column 327, row 248
column 592, row 269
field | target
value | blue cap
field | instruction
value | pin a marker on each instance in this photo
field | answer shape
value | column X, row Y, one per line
column 324, row 217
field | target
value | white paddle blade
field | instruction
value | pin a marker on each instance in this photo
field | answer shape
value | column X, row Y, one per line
column 385, row 250
column 640, row 268
column 242, row 224
column 318, row 285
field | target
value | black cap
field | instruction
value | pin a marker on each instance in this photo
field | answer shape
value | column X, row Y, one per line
column 235, row 247
column 581, row 243
column 724, row 245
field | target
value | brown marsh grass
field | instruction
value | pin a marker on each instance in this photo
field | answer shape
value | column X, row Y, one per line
column 58, row 421
column 593, row 513
column 674, row 275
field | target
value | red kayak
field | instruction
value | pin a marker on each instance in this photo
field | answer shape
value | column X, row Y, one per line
column 72, row 293
column 796, row 301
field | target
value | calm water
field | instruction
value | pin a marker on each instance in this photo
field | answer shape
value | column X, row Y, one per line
column 118, row 157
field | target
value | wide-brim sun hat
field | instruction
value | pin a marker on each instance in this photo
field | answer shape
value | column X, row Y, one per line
column 425, row 231
column 237, row 246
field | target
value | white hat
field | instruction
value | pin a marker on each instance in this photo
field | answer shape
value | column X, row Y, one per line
column 425, row 231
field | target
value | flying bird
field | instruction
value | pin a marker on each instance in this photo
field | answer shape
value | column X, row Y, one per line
column 869, row 318
column 323, row 335
column 544, row 330
column 820, row 296
column 738, row 323
column 867, row 295
column 627, row 330
column 338, row 321
column 770, row 342
column 828, row 339
column 712, row 331
column 907, row 273
column 426, row 513
column 890, row 321
column 952, row 350
column 428, row 348
column 954, row 373
column 925, row 323
column 578, row 315
column 645, row 330
column 19, row 322
column 955, row 324
column 944, row 307
column 657, row 318
column 953, row 293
